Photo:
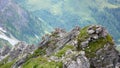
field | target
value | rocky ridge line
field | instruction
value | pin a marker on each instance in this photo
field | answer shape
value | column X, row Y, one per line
column 89, row 47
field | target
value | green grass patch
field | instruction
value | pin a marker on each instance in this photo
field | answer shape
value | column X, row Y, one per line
column 4, row 61
column 82, row 36
column 109, row 39
column 39, row 52
column 8, row 64
column 94, row 46
column 41, row 62
column 62, row 51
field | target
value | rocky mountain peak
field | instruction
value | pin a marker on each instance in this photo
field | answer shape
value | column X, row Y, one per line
column 88, row 47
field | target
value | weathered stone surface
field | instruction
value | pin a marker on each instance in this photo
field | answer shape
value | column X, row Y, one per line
column 84, row 44
column 54, row 58
column 20, row 52
column 20, row 61
column 81, row 62
column 68, row 52
column 55, row 42
column 106, row 58
column 95, row 36
column 67, row 38
column 5, row 50
column 29, row 49
column 17, row 50
column 91, row 31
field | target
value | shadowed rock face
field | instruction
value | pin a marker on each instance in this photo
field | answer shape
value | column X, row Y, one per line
column 89, row 47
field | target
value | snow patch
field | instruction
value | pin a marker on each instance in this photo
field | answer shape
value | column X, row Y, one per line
column 11, row 40
column 1, row 29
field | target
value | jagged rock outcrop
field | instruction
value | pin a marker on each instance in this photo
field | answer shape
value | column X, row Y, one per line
column 20, row 61
column 58, row 39
column 80, row 61
column 19, row 52
column 99, row 47
column 89, row 47
column 4, row 51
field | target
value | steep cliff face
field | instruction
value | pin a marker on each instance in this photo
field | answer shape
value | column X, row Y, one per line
column 88, row 47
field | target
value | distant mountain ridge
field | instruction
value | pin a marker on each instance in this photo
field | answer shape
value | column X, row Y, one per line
column 28, row 20
column 68, row 13
column 20, row 23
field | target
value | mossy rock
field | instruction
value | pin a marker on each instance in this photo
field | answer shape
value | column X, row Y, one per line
column 95, row 45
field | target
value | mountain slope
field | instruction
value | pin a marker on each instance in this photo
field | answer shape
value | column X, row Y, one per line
column 89, row 47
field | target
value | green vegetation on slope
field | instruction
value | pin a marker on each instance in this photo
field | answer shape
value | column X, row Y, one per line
column 82, row 36
column 62, row 51
column 41, row 62
column 4, row 61
column 7, row 64
column 39, row 52
column 93, row 46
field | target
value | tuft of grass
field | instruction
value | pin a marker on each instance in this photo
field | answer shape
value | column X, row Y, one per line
column 39, row 52
column 82, row 36
column 4, row 61
column 94, row 46
column 62, row 51
column 8, row 64
column 98, row 44
column 109, row 39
